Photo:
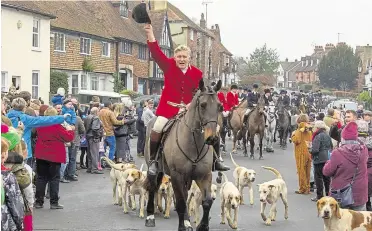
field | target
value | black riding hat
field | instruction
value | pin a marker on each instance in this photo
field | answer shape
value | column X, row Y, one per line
column 234, row 86
column 283, row 92
column 267, row 91
column 140, row 15
column 255, row 85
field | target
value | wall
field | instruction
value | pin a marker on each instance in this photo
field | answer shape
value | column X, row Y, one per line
column 306, row 77
column 71, row 59
column 18, row 56
column 179, row 33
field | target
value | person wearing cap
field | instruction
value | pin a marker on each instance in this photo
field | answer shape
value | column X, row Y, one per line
column 232, row 98
column 241, row 95
column 367, row 116
column 59, row 97
column 181, row 82
column 221, row 94
column 310, row 99
column 321, row 146
column 284, row 98
column 252, row 99
column 360, row 111
column 348, row 164
column 68, row 108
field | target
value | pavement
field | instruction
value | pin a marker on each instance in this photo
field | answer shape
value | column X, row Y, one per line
column 88, row 202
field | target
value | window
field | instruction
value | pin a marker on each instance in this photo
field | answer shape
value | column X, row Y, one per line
column 166, row 52
column 35, row 84
column 123, row 8
column 94, row 83
column 142, row 52
column 59, row 42
column 191, row 34
column 85, row 46
column 165, row 36
column 16, row 81
column 83, row 82
column 74, row 84
column 126, row 48
column 4, row 81
column 106, row 49
column 36, row 34
column 209, row 41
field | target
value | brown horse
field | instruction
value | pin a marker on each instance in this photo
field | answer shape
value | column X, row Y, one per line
column 187, row 155
column 238, row 129
column 256, row 125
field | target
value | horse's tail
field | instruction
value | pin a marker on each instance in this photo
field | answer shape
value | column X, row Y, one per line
column 232, row 159
column 276, row 172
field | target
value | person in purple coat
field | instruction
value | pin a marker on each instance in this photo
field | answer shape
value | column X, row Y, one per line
column 342, row 165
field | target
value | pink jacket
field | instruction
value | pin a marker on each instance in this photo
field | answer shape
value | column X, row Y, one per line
column 341, row 168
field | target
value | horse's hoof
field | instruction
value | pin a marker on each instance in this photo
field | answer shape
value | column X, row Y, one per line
column 251, row 156
column 150, row 222
column 202, row 227
column 189, row 229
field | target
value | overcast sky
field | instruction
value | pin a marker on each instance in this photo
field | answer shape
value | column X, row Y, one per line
column 293, row 27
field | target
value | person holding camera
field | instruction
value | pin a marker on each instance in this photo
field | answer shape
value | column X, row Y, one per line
column 301, row 138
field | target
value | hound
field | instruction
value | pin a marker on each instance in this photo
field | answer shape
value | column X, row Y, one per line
column 336, row 219
column 244, row 178
column 230, row 199
column 166, row 191
column 270, row 192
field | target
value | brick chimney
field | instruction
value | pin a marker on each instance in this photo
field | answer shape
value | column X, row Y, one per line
column 318, row 49
column 202, row 21
column 286, row 59
column 216, row 31
column 329, row 47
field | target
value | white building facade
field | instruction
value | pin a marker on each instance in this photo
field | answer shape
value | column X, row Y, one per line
column 25, row 50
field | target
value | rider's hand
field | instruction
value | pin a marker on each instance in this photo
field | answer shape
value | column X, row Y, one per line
column 149, row 32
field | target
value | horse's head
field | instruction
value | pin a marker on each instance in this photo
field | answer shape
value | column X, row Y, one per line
column 204, row 110
column 271, row 109
column 261, row 105
column 280, row 108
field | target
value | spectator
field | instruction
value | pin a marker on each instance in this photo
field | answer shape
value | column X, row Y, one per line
column 59, row 97
column 348, row 165
column 94, row 133
column 328, row 119
column 107, row 116
column 141, row 130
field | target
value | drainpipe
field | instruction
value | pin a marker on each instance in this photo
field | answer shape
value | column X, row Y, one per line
column 117, row 57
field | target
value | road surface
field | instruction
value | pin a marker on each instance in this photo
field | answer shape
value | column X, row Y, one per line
column 88, row 202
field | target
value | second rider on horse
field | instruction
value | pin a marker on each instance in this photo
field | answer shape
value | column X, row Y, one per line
column 181, row 81
column 252, row 99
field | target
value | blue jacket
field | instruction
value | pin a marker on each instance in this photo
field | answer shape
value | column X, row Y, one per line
column 72, row 119
column 57, row 99
column 32, row 122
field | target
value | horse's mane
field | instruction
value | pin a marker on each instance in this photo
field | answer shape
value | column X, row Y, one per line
column 242, row 102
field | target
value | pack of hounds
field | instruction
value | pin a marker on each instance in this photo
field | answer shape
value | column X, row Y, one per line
column 127, row 181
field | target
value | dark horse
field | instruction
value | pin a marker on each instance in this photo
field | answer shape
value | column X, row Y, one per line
column 283, row 125
column 187, row 155
column 256, row 125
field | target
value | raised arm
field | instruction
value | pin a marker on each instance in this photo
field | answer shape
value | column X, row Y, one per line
column 157, row 54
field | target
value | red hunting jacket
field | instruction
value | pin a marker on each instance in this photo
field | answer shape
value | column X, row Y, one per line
column 232, row 100
column 50, row 144
column 177, row 86
column 222, row 98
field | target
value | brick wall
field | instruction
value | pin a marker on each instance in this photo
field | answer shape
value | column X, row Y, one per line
column 306, row 77
column 71, row 59
column 140, row 67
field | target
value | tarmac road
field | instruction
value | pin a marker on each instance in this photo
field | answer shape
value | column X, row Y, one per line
column 88, row 202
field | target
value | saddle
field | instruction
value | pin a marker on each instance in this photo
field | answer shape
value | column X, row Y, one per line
column 169, row 125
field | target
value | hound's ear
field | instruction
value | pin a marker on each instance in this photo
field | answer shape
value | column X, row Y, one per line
column 317, row 207
column 338, row 213
column 201, row 85
column 218, row 86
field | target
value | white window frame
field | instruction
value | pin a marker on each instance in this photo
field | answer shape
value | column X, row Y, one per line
column 126, row 47
column 38, row 85
column 36, row 33
column 74, row 87
column 57, row 37
column 124, row 11
column 85, row 78
column 91, row 85
column 4, row 82
column 83, row 39
column 108, row 49
column 142, row 52
column 192, row 34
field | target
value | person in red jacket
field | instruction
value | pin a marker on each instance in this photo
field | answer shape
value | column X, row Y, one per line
column 181, row 81
column 232, row 97
column 225, row 113
column 50, row 152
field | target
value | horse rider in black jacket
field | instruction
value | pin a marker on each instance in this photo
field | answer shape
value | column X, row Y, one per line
column 284, row 98
column 252, row 99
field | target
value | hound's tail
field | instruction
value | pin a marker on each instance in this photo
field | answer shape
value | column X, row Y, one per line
column 225, row 179
column 107, row 160
column 119, row 167
column 232, row 159
column 276, row 172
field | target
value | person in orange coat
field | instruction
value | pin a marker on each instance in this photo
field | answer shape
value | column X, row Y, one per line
column 181, row 81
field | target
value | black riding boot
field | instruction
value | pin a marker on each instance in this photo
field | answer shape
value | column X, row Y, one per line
column 245, row 120
column 154, row 145
column 217, row 164
column 368, row 205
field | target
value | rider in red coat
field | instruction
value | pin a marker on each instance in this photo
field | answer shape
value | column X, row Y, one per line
column 232, row 97
column 221, row 96
column 181, row 81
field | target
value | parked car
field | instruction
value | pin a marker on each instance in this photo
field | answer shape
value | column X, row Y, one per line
column 156, row 98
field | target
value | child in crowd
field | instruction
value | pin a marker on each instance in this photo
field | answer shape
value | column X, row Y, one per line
column 68, row 108
column 101, row 153
column 12, row 203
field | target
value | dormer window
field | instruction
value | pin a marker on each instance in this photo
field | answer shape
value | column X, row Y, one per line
column 124, row 8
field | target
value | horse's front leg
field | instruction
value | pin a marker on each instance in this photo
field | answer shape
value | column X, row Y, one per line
column 234, row 142
column 223, row 138
column 150, row 208
column 207, row 201
column 245, row 145
column 261, row 138
column 180, row 192
column 251, row 141
column 275, row 129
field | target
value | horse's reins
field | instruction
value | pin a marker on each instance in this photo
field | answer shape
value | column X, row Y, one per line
column 200, row 129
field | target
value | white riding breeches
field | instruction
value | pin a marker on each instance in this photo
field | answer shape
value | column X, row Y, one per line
column 225, row 113
column 159, row 124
